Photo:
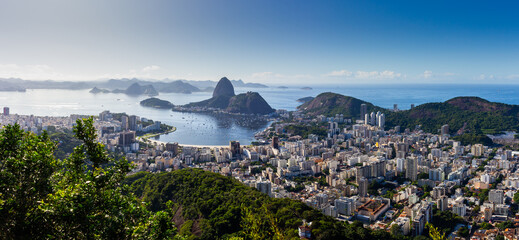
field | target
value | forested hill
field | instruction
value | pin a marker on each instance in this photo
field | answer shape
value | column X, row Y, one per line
column 329, row 104
column 211, row 206
column 468, row 114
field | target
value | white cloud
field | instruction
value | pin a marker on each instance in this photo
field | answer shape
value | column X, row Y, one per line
column 262, row 74
column 371, row 75
column 512, row 77
column 486, row 77
column 150, row 68
column 339, row 73
column 427, row 74
column 277, row 78
column 377, row 75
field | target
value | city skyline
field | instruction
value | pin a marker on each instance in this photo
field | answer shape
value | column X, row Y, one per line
column 303, row 42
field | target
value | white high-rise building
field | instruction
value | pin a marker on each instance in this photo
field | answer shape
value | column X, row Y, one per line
column 381, row 121
column 400, row 165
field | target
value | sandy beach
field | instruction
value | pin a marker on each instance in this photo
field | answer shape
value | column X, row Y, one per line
column 187, row 145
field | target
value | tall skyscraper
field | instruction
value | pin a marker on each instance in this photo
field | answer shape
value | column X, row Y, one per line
column 411, row 169
column 373, row 119
column 363, row 110
column 126, row 138
column 275, row 142
column 124, row 122
column 381, row 121
column 445, row 129
column 235, row 149
column 6, row 111
column 363, row 187
column 132, row 122
column 395, row 107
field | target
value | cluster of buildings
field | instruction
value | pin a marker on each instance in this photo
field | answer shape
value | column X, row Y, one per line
column 361, row 171
column 37, row 124
column 117, row 131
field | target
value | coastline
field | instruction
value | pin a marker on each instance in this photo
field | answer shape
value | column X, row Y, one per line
column 187, row 145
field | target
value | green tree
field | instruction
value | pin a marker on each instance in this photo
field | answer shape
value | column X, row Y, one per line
column 396, row 230
column 486, row 226
column 26, row 166
column 504, row 225
column 463, row 231
column 435, row 233
column 80, row 197
column 516, row 197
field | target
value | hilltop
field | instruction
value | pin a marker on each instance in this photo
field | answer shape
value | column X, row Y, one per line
column 329, row 104
column 250, row 103
column 225, row 99
column 463, row 114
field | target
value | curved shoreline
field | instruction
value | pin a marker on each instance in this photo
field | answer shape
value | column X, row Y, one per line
column 189, row 145
column 147, row 136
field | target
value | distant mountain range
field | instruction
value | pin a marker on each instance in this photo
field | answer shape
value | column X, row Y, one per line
column 463, row 114
column 166, row 86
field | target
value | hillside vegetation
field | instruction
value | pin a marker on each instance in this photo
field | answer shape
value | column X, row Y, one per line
column 330, row 104
column 218, row 207
column 463, row 114
column 156, row 103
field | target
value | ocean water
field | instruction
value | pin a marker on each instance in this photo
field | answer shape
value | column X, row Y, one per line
column 203, row 129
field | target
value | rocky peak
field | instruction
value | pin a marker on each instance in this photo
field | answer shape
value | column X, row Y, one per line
column 223, row 88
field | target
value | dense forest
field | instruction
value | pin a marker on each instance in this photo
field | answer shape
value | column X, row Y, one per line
column 218, row 207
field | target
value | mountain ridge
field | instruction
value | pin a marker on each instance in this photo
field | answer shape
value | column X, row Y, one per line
column 166, row 85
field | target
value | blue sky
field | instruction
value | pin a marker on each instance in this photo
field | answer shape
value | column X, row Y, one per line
column 268, row 41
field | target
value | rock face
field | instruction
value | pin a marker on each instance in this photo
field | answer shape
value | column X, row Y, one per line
column 223, row 88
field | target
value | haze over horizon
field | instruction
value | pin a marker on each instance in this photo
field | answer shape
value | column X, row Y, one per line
column 270, row 42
